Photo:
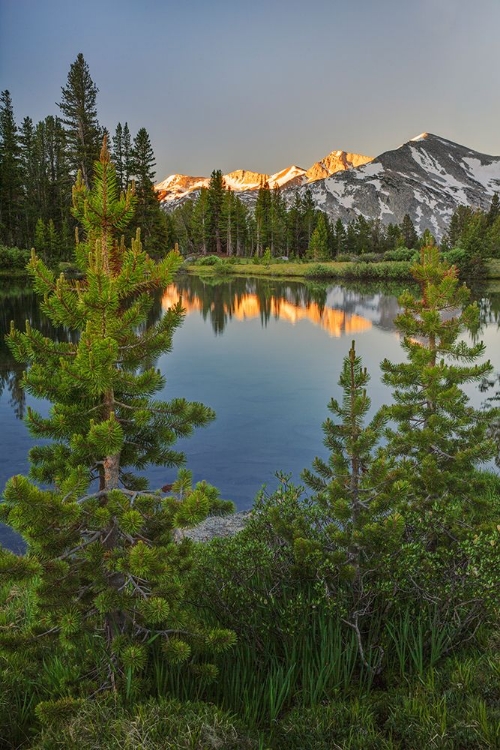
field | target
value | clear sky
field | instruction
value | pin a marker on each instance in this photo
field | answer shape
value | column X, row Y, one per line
column 262, row 84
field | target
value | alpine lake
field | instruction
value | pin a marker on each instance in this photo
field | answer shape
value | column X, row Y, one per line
column 265, row 354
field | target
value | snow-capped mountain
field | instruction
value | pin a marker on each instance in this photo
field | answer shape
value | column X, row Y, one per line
column 428, row 178
column 178, row 187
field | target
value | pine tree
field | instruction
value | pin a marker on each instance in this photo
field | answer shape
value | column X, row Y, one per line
column 355, row 491
column 439, row 437
column 78, row 106
column 339, row 238
column 318, row 245
column 408, row 232
column 10, row 174
column 123, row 155
column 262, row 218
column 148, row 215
column 494, row 210
column 106, row 571
column 215, row 201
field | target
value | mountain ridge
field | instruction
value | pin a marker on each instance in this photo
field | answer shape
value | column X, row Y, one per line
column 178, row 186
column 427, row 177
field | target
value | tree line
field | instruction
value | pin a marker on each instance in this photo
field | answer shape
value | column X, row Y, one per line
column 217, row 221
column 39, row 163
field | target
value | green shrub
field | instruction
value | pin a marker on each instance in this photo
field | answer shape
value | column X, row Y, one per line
column 344, row 258
column 317, row 271
column 456, row 256
column 208, row 260
column 370, row 257
column 385, row 270
column 13, row 258
column 401, row 253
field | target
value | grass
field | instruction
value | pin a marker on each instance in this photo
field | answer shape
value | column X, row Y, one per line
column 312, row 270
column 383, row 270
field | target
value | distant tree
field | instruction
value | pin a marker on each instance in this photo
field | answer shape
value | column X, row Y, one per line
column 277, row 223
column 122, row 155
column 148, row 215
column 198, row 224
column 363, row 231
column 78, row 107
column 215, row 200
column 318, row 244
column 10, row 174
column 494, row 210
column 308, row 208
column 408, row 233
column 262, row 216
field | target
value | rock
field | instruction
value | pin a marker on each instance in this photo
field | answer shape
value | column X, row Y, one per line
column 215, row 526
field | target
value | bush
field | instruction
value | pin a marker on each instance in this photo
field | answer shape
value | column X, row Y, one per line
column 343, row 258
column 317, row 271
column 401, row 253
column 208, row 260
column 386, row 270
column 456, row 256
column 13, row 258
column 370, row 257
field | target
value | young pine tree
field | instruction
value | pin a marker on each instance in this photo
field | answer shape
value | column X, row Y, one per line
column 440, row 438
column 100, row 544
column 355, row 491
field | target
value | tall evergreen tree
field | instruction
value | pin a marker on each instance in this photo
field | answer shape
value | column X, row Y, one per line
column 215, row 201
column 10, row 174
column 408, row 232
column 103, row 567
column 78, row 107
column 339, row 237
column 318, row 245
column 262, row 215
column 149, row 215
column 123, row 155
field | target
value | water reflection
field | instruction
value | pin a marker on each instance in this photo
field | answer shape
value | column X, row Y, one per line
column 338, row 310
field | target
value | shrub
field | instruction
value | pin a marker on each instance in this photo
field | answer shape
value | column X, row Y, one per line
column 208, row 260
column 456, row 256
column 390, row 270
column 371, row 257
column 317, row 271
column 401, row 253
column 13, row 258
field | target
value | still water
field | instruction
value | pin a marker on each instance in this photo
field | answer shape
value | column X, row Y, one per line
column 265, row 355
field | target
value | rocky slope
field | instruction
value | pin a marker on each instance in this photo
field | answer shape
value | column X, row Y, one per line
column 428, row 178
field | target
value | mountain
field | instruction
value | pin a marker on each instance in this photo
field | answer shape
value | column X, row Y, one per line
column 428, row 178
column 177, row 187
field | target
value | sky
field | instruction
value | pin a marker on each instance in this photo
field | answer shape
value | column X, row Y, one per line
column 263, row 84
